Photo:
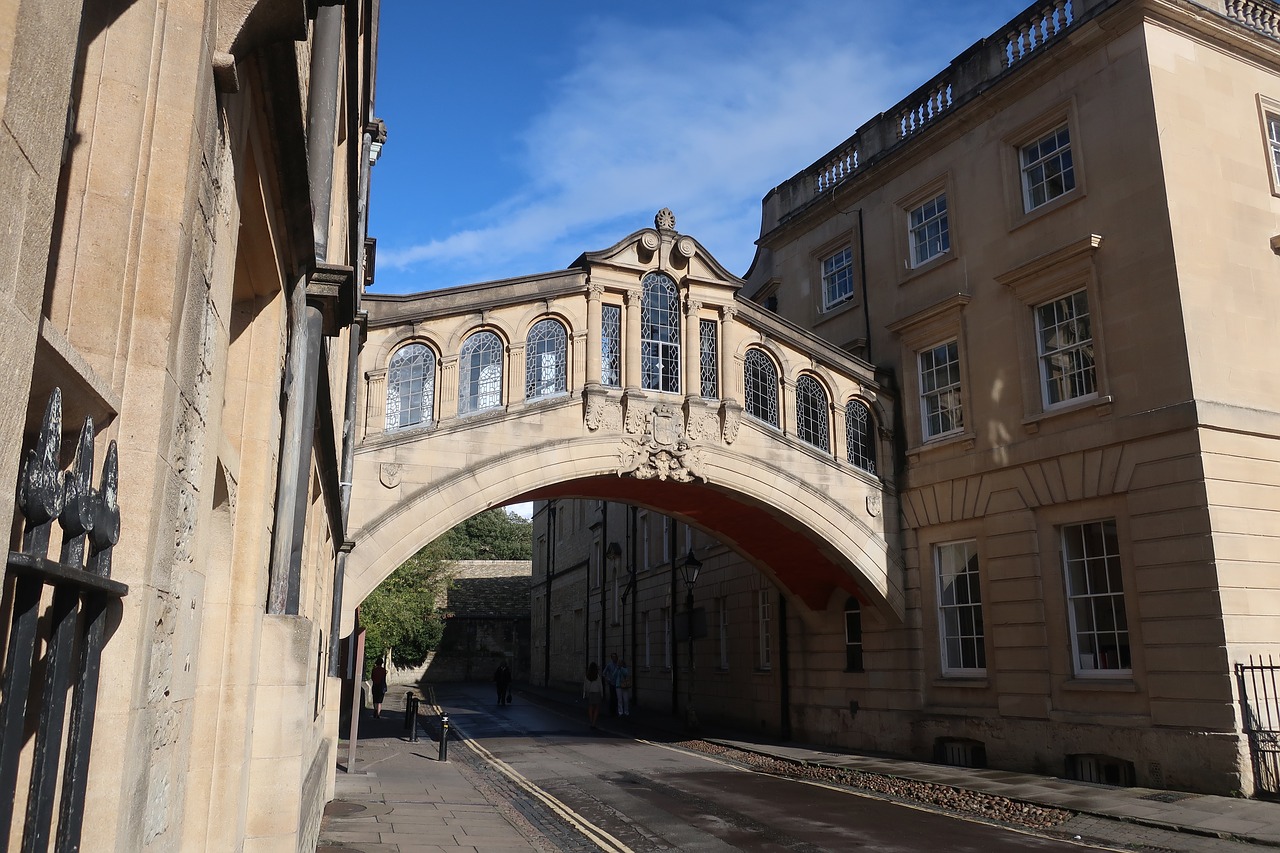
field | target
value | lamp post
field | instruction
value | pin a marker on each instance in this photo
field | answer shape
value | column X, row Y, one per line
column 689, row 569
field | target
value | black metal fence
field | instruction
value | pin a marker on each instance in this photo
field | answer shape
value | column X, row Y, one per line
column 1260, row 710
column 56, row 634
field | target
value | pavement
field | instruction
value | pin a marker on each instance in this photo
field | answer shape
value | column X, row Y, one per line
column 400, row 798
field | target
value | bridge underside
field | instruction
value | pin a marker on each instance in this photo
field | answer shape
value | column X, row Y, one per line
column 793, row 559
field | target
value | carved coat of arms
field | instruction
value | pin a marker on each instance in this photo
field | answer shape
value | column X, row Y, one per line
column 661, row 451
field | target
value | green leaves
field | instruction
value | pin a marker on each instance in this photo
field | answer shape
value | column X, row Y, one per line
column 406, row 612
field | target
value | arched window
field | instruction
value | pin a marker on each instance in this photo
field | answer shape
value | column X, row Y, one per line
column 853, row 636
column 545, row 360
column 760, row 381
column 480, row 373
column 411, row 387
column 811, row 413
column 660, row 334
column 859, row 436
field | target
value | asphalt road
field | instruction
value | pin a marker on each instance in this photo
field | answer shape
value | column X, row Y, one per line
column 589, row 790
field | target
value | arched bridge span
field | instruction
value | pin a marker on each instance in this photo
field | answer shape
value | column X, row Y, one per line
column 637, row 375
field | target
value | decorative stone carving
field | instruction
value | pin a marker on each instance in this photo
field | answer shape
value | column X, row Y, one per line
column 633, row 298
column 603, row 414
column 875, row 504
column 732, row 420
column 666, row 220
column 663, row 451
column 637, row 415
column 389, row 474
column 685, row 247
column 691, row 306
column 649, row 240
column 595, row 290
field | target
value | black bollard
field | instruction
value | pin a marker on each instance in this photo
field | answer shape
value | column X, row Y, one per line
column 444, row 737
column 411, row 716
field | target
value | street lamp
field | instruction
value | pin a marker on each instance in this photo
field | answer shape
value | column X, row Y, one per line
column 689, row 570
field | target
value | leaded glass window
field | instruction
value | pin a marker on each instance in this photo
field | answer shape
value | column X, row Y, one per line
column 859, row 436
column 709, row 359
column 660, row 334
column 812, row 418
column 411, row 387
column 545, row 360
column 611, row 345
column 480, row 373
column 760, row 386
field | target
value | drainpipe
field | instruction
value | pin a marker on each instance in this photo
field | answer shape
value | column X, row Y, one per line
column 551, row 557
column 635, row 595
column 368, row 157
column 784, row 668
column 675, row 657
column 306, row 324
column 866, row 306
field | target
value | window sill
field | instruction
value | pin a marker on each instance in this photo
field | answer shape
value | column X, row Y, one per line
column 912, row 272
column 965, row 439
column 1026, row 217
column 1101, row 405
column 1121, row 682
column 965, row 682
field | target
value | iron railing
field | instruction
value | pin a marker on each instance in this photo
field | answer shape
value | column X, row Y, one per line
column 56, row 634
column 1260, row 709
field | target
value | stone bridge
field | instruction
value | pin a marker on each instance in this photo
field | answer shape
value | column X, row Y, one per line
column 636, row 375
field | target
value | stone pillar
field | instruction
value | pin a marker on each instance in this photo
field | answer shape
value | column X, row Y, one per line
column 594, row 334
column 692, row 361
column 375, row 412
column 449, row 388
column 631, row 342
column 515, row 375
column 730, row 380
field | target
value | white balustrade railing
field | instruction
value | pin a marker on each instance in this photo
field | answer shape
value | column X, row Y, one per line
column 1256, row 15
column 919, row 113
column 1032, row 33
column 836, row 168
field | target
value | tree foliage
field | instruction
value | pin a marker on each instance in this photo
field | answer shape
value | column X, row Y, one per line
column 496, row 534
column 406, row 612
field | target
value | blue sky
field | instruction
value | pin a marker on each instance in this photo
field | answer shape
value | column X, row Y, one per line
column 525, row 132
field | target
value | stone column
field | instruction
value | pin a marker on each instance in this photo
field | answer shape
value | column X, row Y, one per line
column 516, row 375
column 594, row 334
column 631, row 345
column 375, row 413
column 448, row 388
column 692, row 360
column 730, row 381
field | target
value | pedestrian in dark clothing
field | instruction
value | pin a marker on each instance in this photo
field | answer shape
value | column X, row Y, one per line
column 502, row 680
column 610, row 676
column 379, row 678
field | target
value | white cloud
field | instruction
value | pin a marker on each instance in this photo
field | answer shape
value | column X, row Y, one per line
column 695, row 113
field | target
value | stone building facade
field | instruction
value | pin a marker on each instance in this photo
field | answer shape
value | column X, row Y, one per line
column 1059, row 251
column 186, row 248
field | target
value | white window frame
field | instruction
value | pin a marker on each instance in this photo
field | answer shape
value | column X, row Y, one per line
column 666, row 637
column 930, row 392
column 1085, row 662
column 1042, row 162
column 648, row 641
column 919, row 236
column 837, row 277
column 934, row 326
column 1073, row 351
column 1269, row 116
column 642, row 528
column 957, row 584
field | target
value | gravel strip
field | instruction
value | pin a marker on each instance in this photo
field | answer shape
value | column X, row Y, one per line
column 987, row 807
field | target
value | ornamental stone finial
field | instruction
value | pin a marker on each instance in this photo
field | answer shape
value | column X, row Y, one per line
column 665, row 220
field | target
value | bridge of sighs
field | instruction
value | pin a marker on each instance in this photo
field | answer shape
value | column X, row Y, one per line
column 636, row 375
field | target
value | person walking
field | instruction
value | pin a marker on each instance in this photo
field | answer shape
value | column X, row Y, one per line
column 624, row 689
column 502, row 680
column 610, row 675
column 379, row 678
column 593, row 692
